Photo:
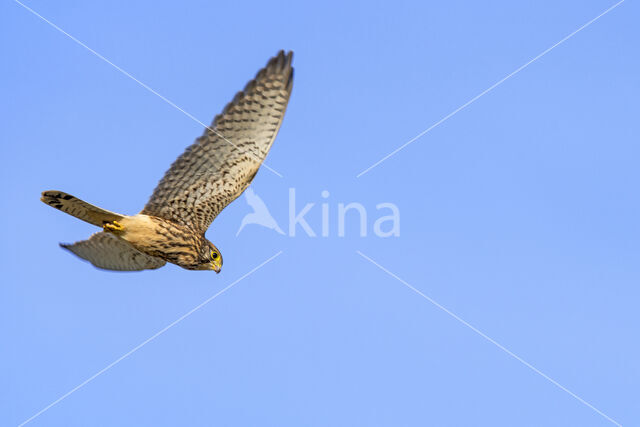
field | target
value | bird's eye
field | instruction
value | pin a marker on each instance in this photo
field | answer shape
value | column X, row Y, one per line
column 214, row 255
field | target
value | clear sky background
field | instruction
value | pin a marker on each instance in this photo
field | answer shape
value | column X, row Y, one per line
column 519, row 214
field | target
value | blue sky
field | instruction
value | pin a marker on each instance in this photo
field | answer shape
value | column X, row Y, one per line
column 519, row 214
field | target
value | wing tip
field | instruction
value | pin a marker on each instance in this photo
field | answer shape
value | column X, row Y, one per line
column 67, row 247
column 278, row 64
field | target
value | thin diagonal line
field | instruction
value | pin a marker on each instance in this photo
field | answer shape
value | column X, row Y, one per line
column 489, row 89
column 491, row 340
column 141, row 84
column 145, row 342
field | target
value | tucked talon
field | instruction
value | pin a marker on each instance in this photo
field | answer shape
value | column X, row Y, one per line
column 113, row 226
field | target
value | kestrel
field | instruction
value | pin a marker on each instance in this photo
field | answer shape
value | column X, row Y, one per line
column 209, row 175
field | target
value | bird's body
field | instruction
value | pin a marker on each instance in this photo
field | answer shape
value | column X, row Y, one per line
column 163, row 239
column 208, row 176
column 148, row 240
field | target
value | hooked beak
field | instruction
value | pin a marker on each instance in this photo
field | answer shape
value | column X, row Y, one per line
column 216, row 267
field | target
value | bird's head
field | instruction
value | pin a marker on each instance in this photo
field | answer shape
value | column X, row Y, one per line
column 210, row 257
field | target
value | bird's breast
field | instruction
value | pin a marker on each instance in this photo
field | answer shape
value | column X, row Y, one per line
column 161, row 238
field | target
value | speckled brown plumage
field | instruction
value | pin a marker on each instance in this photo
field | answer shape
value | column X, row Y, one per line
column 209, row 175
column 107, row 251
column 213, row 171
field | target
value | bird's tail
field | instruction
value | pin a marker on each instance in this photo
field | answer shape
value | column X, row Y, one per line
column 78, row 208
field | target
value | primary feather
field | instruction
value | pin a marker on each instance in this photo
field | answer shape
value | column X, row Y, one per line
column 220, row 165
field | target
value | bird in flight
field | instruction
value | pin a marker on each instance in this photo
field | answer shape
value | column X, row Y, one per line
column 209, row 175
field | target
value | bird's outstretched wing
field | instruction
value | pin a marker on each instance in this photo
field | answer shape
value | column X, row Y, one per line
column 104, row 250
column 218, row 167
